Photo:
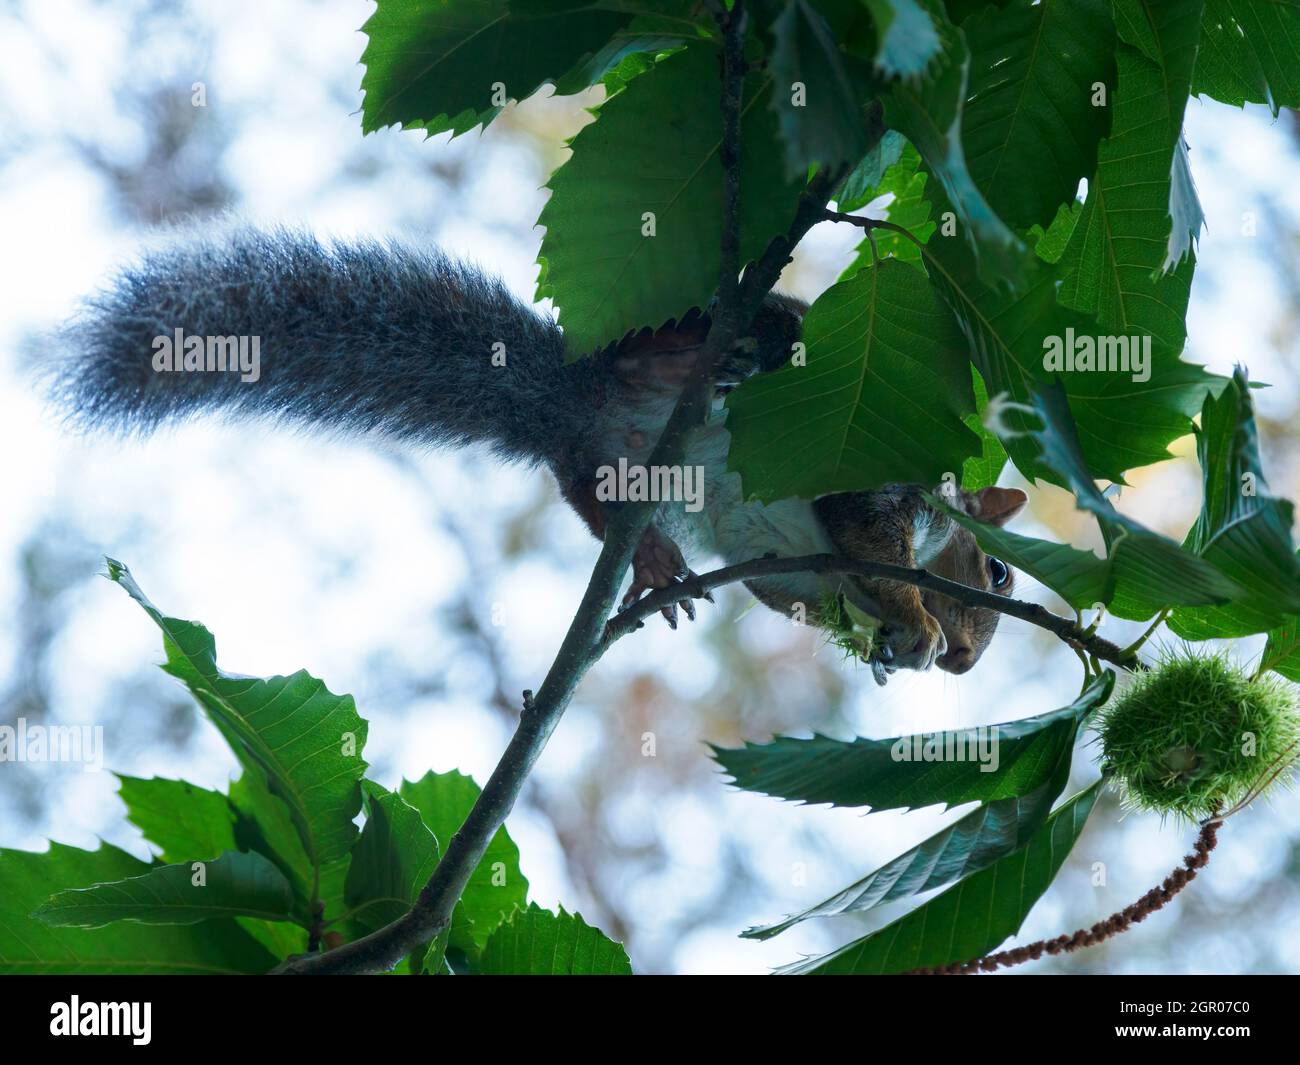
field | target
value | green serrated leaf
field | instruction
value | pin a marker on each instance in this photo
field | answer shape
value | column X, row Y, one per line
column 263, row 824
column 1030, row 127
column 906, row 772
column 1282, row 652
column 31, row 946
column 984, row 469
column 629, row 51
column 655, row 149
column 304, row 741
column 497, row 885
column 880, row 399
column 234, row 885
column 536, row 942
column 907, row 39
column 969, row 844
column 451, row 65
column 186, row 822
column 904, row 181
column 1125, row 262
column 1247, row 53
column 818, row 108
column 1126, row 416
column 930, row 114
column 394, row 857
column 1050, row 244
column 1242, row 531
column 281, row 938
column 1148, row 571
column 972, row 917
column 860, row 187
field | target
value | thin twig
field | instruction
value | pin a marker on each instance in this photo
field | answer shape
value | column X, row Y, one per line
column 1136, row 645
column 695, row 587
column 1087, row 668
column 1095, row 623
column 870, row 225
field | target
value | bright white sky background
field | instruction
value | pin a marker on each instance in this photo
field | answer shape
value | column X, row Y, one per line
column 323, row 555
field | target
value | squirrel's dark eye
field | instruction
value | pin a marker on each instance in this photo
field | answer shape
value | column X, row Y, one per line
column 998, row 572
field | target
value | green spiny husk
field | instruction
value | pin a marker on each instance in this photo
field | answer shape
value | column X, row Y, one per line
column 1195, row 734
column 848, row 628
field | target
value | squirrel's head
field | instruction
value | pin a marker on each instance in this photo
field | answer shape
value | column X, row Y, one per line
column 879, row 525
column 966, row 629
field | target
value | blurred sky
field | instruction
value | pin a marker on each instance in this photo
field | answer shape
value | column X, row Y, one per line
column 383, row 573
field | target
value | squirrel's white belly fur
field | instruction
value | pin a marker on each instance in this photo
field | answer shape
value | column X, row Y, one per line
column 724, row 525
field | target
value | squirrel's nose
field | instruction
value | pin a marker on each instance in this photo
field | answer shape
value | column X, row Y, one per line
column 956, row 659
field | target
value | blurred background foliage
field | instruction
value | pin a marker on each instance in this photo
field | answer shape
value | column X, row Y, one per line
column 436, row 587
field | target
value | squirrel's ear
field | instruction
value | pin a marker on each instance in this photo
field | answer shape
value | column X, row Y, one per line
column 997, row 506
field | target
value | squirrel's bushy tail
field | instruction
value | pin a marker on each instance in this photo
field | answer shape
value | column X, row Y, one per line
column 354, row 337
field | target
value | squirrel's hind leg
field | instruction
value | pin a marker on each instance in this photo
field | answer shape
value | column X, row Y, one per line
column 656, row 563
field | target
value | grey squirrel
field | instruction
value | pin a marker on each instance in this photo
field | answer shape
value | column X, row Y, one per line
column 414, row 346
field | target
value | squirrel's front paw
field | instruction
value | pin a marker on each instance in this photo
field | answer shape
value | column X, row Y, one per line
column 915, row 640
column 657, row 563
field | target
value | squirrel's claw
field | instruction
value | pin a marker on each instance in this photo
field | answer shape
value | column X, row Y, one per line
column 657, row 563
column 670, row 612
column 633, row 593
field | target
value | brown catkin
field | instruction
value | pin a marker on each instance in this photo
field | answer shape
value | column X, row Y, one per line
column 1087, row 937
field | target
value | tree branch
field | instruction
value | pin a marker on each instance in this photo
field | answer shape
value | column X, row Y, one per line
column 871, row 224
column 695, row 587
